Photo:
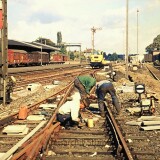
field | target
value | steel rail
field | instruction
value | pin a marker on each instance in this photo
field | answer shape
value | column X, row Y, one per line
column 154, row 76
column 47, row 131
column 29, row 149
column 122, row 145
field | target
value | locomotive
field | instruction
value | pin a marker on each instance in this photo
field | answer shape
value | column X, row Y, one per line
column 98, row 60
column 21, row 57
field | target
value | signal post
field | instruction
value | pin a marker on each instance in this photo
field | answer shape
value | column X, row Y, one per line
column 3, row 51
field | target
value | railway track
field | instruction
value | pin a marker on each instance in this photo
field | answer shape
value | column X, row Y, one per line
column 102, row 141
column 66, row 77
column 144, row 145
column 86, row 143
column 46, row 76
column 33, row 125
column 154, row 72
column 110, row 138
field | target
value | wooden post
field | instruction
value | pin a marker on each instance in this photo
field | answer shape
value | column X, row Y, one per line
column 4, row 53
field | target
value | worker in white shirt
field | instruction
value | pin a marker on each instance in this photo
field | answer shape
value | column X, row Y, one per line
column 68, row 113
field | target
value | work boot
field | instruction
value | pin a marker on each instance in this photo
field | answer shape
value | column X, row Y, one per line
column 81, row 124
column 67, row 127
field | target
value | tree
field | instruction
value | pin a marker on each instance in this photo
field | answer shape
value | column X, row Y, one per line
column 109, row 56
column 154, row 45
column 72, row 56
column 59, row 38
column 63, row 49
column 113, row 57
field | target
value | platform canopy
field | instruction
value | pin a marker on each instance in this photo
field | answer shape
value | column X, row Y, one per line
column 30, row 46
column 44, row 46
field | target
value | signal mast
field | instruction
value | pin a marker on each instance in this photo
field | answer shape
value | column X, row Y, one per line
column 93, row 30
column 3, row 50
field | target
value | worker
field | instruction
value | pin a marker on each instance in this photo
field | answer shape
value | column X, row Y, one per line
column 11, row 82
column 102, row 88
column 84, row 84
column 69, row 113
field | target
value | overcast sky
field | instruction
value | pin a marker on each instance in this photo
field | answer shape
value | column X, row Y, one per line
column 30, row 19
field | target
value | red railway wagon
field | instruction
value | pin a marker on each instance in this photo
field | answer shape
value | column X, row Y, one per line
column 35, row 58
column 21, row 57
column 17, row 57
column 58, row 58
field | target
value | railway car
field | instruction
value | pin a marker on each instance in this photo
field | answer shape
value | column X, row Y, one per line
column 58, row 58
column 17, row 57
column 23, row 58
column 98, row 60
column 148, row 58
column 36, row 58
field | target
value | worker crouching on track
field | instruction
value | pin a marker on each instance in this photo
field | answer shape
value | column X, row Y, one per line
column 104, row 87
column 84, row 84
column 69, row 113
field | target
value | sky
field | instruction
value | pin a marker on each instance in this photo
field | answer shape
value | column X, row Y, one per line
column 31, row 19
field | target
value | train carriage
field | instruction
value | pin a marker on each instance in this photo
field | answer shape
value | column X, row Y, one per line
column 58, row 58
column 23, row 58
column 36, row 58
column 17, row 57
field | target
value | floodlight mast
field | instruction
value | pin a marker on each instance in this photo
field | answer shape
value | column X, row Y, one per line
column 93, row 30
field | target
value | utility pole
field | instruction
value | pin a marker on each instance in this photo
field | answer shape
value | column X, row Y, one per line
column 137, row 30
column 93, row 30
column 126, row 39
column 41, row 53
column 4, row 50
column 80, row 55
column 41, row 57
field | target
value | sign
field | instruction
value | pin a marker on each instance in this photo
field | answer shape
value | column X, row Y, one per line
column 139, row 88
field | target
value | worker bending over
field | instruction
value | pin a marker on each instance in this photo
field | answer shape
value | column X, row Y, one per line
column 104, row 87
column 84, row 84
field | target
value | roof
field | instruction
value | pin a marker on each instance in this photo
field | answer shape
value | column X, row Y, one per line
column 17, row 50
column 39, row 52
column 21, row 43
column 44, row 46
column 30, row 46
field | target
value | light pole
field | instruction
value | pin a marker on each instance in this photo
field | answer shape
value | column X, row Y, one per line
column 126, row 39
column 137, row 30
column 93, row 30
